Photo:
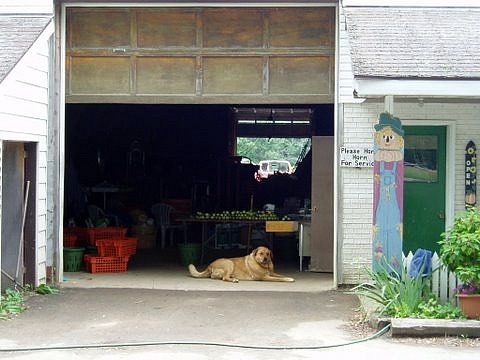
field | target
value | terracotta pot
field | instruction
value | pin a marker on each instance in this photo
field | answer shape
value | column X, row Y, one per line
column 470, row 305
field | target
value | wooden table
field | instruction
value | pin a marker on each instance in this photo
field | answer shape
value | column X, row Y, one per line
column 270, row 227
column 208, row 222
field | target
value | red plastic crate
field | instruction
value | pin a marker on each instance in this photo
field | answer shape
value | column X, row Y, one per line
column 105, row 233
column 80, row 233
column 117, row 247
column 70, row 240
column 105, row 264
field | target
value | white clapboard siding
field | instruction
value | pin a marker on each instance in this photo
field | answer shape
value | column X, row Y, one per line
column 26, row 6
column 443, row 280
column 24, row 99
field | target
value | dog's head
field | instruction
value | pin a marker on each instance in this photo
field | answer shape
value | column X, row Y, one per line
column 263, row 255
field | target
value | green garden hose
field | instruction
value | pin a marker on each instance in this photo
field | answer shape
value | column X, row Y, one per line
column 193, row 343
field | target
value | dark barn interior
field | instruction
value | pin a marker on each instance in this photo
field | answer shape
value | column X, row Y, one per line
column 124, row 158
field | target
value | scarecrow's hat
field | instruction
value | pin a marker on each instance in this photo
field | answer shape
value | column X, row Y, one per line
column 386, row 119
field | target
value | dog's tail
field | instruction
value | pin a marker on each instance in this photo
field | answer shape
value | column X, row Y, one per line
column 196, row 274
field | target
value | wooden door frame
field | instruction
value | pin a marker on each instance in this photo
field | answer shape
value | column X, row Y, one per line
column 29, row 238
column 323, row 217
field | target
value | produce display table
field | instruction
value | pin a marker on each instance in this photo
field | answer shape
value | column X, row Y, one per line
column 269, row 226
column 206, row 223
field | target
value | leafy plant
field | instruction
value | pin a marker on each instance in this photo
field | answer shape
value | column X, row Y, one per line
column 460, row 247
column 398, row 295
column 402, row 295
column 44, row 289
column 11, row 303
column 433, row 310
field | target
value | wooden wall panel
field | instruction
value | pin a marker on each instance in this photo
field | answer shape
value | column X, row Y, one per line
column 99, row 29
column 226, row 28
column 300, row 75
column 100, row 75
column 158, row 29
column 233, row 75
column 200, row 55
column 167, row 75
column 302, row 27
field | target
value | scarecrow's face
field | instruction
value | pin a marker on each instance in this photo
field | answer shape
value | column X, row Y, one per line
column 387, row 139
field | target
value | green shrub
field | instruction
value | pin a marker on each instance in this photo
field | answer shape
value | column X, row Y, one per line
column 460, row 247
column 398, row 295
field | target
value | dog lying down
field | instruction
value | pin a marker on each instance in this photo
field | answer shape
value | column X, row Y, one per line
column 257, row 265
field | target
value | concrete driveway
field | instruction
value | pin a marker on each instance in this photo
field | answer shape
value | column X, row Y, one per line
column 148, row 314
column 185, row 324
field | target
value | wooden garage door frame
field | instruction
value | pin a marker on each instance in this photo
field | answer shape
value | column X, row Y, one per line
column 212, row 59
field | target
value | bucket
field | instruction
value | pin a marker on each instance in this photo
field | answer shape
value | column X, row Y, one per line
column 72, row 258
column 189, row 253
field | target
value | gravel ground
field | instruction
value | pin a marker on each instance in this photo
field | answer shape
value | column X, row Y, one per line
column 360, row 328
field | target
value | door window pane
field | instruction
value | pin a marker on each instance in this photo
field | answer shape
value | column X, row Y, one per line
column 421, row 152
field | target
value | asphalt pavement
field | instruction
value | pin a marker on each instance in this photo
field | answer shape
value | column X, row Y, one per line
column 160, row 312
column 116, row 323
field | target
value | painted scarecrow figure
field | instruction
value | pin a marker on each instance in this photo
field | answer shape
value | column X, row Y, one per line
column 388, row 193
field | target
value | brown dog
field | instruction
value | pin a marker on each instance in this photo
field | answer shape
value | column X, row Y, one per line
column 257, row 265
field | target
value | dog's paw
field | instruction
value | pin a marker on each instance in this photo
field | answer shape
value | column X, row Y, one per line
column 235, row 280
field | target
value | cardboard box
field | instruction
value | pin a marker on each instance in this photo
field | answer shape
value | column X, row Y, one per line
column 281, row 226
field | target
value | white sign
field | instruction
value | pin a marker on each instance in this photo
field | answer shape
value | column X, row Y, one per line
column 356, row 156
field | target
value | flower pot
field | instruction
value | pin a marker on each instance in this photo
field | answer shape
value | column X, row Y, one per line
column 470, row 305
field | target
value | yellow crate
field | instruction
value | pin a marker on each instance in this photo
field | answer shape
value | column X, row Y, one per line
column 281, row 226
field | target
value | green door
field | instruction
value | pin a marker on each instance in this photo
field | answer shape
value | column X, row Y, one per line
column 424, row 187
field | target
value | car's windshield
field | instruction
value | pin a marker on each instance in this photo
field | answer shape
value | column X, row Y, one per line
column 275, row 166
column 279, row 166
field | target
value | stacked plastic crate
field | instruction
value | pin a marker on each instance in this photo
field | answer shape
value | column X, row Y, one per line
column 114, row 249
column 75, row 236
column 74, row 240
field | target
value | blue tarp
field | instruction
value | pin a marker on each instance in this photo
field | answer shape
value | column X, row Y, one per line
column 421, row 259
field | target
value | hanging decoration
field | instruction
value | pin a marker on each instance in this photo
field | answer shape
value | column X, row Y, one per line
column 388, row 193
column 470, row 174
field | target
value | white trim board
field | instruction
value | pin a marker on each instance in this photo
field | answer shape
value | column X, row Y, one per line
column 424, row 88
column 199, row 4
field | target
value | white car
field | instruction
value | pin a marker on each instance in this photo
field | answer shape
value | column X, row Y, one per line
column 267, row 168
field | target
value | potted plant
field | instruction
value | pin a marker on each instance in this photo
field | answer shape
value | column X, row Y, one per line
column 460, row 252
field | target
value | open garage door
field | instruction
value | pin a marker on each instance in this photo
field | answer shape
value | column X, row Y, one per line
column 151, row 95
column 200, row 55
